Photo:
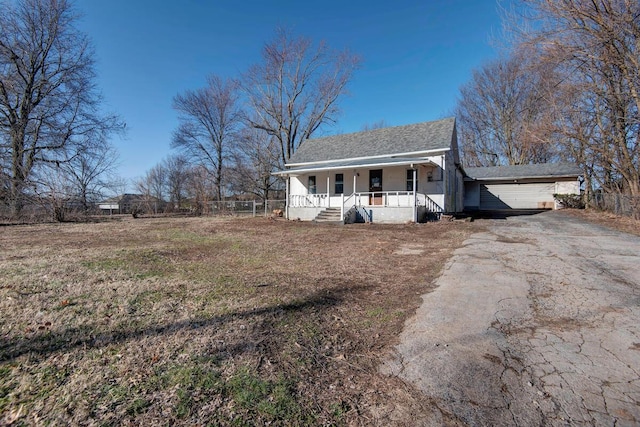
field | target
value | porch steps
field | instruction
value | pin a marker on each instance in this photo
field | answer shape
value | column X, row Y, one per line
column 330, row 215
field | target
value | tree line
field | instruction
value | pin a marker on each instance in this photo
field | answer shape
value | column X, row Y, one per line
column 567, row 88
column 54, row 138
column 234, row 132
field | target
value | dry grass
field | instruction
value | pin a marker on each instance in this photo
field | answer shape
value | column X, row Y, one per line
column 607, row 219
column 211, row 321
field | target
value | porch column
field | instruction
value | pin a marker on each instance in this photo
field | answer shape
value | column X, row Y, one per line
column 355, row 174
column 415, row 195
column 328, row 192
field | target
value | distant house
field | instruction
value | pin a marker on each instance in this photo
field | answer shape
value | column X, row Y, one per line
column 520, row 186
column 393, row 175
column 130, row 203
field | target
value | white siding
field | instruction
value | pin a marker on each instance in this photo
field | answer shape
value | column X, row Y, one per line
column 567, row 187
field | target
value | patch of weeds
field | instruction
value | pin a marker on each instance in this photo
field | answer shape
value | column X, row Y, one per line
column 254, row 262
column 209, row 273
column 267, row 400
column 6, row 386
column 49, row 380
column 338, row 410
column 191, row 238
column 375, row 312
column 237, row 246
column 138, row 406
column 107, row 264
column 380, row 314
column 116, row 393
column 138, row 264
column 113, row 397
column 193, row 382
column 146, row 297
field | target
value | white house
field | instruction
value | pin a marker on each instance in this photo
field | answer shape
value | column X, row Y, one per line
column 395, row 174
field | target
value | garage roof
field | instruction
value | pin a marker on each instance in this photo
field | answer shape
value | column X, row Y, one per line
column 543, row 170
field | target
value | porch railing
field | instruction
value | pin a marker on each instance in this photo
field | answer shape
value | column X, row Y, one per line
column 309, row 200
column 385, row 198
column 429, row 203
column 379, row 198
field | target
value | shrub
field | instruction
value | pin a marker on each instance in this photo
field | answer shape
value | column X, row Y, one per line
column 573, row 201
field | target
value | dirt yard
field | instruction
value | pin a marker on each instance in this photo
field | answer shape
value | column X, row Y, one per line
column 209, row 321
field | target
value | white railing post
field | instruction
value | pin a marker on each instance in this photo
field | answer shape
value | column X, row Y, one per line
column 342, row 206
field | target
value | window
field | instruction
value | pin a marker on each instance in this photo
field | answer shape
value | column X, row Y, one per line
column 410, row 180
column 339, row 183
column 312, row 184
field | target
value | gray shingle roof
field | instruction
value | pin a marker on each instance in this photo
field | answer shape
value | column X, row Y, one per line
column 542, row 170
column 419, row 137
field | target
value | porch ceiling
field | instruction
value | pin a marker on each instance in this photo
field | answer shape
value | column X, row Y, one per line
column 358, row 164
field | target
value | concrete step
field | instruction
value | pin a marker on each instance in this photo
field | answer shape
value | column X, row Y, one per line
column 329, row 215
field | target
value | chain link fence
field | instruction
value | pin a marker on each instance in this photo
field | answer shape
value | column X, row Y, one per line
column 252, row 208
column 45, row 211
column 618, row 204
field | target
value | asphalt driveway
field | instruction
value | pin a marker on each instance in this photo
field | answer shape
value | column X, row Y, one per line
column 534, row 322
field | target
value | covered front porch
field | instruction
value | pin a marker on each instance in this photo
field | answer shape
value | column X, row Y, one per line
column 388, row 206
column 402, row 190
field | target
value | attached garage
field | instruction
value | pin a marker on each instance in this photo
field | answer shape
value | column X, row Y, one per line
column 519, row 187
column 516, row 196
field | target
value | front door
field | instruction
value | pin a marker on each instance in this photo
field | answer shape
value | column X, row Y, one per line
column 375, row 187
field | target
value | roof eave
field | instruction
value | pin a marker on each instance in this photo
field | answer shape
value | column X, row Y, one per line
column 363, row 166
column 382, row 156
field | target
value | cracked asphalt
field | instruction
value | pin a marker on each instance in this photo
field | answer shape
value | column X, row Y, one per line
column 534, row 322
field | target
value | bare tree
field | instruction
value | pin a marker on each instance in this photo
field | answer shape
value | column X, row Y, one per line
column 90, row 172
column 48, row 101
column 256, row 157
column 202, row 188
column 595, row 46
column 502, row 114
column 55, row 193
column 178, row 170
column 153, row 187
column 157, row 181
column 209, row 119
column 296, row 88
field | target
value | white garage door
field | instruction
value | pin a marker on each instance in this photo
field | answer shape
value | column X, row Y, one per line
column 516, row 196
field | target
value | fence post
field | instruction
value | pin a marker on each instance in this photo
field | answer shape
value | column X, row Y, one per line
column 254, row 208
column 265, row 201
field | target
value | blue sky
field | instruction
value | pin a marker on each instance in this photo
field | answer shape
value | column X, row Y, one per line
column 416, row 55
